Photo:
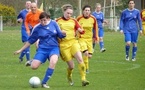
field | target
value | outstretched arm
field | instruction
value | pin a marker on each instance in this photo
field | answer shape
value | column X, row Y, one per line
column 27, row 44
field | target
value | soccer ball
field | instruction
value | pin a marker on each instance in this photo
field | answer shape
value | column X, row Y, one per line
column 34, row 81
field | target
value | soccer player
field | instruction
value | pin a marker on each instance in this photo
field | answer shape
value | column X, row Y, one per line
column 47, row 32
column 24, row 36
column 143, row 20
column 129, row 20
column 100, row 19
column 69, row 46
column 90, row 26
column 32, row 19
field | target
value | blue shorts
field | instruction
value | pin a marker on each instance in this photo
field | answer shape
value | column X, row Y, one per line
column 24, row 35
column 101, row 32
column 43, row 54
column 132, row 37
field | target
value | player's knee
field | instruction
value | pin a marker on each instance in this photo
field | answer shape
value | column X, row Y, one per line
column 34, row 67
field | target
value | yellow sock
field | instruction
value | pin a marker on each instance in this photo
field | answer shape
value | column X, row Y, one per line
column 69, row 72
column 82, row 69
column 86, row 61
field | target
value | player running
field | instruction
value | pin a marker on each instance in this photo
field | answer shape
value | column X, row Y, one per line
column 69, row 46
column 47, row 32
column 100, row 19
column 24, row 35
column 90, row 26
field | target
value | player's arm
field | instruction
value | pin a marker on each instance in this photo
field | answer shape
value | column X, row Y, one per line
column 121, row 22
column 27, row 24
column 61, row 33
column 95, row 31
column 78, row 27
column 19, row 18
column 27, row 44
column 139, row 22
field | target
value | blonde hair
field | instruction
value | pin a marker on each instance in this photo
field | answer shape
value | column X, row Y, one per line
column 98, row 4
column 66, row 6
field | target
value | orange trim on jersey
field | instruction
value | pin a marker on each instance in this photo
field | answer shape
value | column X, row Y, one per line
column 95, row 25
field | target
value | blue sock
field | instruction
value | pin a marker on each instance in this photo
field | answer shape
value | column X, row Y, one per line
column 101, row 45
column 94, row 44
column 134, row 49
column 127, row 50
column 27, row 53
column 22, row 54
column 48, row 75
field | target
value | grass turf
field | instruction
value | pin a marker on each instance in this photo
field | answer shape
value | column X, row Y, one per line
column 108, row 70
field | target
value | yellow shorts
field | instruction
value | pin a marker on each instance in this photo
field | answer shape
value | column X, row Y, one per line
column 68, row 49
column 86, row 44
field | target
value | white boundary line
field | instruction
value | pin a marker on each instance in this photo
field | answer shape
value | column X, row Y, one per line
column 134, row 66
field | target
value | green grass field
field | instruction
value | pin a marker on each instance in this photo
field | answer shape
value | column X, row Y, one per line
column 108, row 71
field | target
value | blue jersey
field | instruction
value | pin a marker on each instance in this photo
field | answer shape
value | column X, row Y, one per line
column 22, row 15
column 99, row 17
column 129, row 21
column 47, row 35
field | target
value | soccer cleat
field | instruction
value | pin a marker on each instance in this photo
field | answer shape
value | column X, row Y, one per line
column 20, row 60
column 102, row 50
column 45, row 86
column 133, row 59
column 85, row 83
column 70, row 81
column 127, row 58
column 87, row 71
column 28, row 63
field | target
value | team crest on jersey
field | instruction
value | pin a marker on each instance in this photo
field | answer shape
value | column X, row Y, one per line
column 47, row 28
column 54, row 31
column 130, row 13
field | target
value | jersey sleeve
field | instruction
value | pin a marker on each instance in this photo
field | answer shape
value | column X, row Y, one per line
column 139, row 21
column 121, row 21
column 19, row 15
column 34, row 36
column 27, row 23
column 95, row 30
column 59, row 33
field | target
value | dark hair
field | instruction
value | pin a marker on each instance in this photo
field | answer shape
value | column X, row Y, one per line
column 130, row 0
column 44, row 15
column 86, row 6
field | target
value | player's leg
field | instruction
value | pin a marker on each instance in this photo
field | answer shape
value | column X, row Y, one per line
column 84, row 50
column 101, row 42
column 27, row 50
column 67, row 57
column 54, row 53
column 134, row 38
column 70, row 68
column 127, row 46
column 78, row 55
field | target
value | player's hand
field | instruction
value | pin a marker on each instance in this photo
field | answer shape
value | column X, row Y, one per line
column 17, row 52
column 28, row 33
column 63, row 32
column 81, row 31
column 140, row 32
column 95, row 41
column 20, row 20
column 121, row 31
